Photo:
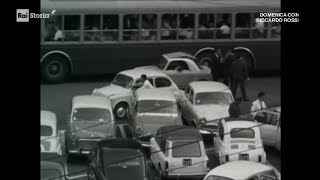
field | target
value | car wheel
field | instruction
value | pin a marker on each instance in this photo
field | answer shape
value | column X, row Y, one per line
column 55, row 69
column 121, row 111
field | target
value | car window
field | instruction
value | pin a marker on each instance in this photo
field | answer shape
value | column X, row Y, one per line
column 213, row 98
column 242, row 133
column 191, row 96
column 186, row 149
column 221, row 132
column 162, row 82
column 91, row 114
column 46, row 130
column 157, row 106
column 175, row 65
column 151, row 81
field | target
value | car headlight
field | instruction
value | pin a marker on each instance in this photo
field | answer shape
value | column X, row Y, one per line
column 203, row 121
column 138, row 130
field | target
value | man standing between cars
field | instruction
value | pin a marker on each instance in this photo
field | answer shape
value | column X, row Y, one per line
column 230, row 57
column 238, row 76
column 258, row 105
column 145, row 81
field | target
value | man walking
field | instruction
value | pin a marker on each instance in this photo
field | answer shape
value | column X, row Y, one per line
column 230, row 57
column 238, row 76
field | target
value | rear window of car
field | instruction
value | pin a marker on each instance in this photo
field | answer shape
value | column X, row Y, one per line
column 242, row 133
column 217, row 178
column 46, row 130
column 50, row 174
column 157, row 106
column 186, row 149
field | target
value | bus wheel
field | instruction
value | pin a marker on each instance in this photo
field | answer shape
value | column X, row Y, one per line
column 55, row 69
column 121, row 111
column 248, row 59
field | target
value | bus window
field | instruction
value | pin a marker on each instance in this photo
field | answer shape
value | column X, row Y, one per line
column 53, row 31
column 206, row 26
column 242, row 30
column 168, row 27
column 186, row 26
column 149, row 27
column 71, row 28
column 259, row 29
column 131, row 27
column 275, row 30
column 224, row 26
column 110, row 27
column 92, row 27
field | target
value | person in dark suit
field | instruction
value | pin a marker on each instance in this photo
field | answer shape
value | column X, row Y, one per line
column 226, row 66
column 238, row 76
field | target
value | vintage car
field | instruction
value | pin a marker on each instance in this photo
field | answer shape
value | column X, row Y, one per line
column 271, row 129
column 243, row 170
column 118, row 159
column 205, row 101
column 152, row 109
column 181, row 68
column 91, row 120
column 124, row 84
column 50, row 137
column 179, row 152
column 53, row 170
column 239, row 139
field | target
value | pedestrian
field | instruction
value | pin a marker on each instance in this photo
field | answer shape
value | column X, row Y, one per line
column 234, row 110
column 216, row 66
column 238, row 76
column 226, row 66
column 257, row 107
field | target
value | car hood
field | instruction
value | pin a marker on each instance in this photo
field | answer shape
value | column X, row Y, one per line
column 212, row 112
column 151, row 123
column 148, row 67
column 92, row 129
column 110, row 90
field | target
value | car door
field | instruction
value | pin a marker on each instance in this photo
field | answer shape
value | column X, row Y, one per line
column 181, row 77
column 269, row 130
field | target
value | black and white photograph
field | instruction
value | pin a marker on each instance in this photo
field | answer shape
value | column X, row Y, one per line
column 160, row 89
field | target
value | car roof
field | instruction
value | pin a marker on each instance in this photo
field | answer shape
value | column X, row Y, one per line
column 136, row 73
column 239, row 169
column 180, row 132
column 119, row 143
column 178, row 55
column 87, row 101
column 189, row 60
column 48, row 118
column 155, row 94
column 208, row 86
column 240, row 123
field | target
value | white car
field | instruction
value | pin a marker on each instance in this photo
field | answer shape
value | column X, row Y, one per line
column 239, row 139
column 208, row 101
column 121, row 89
column 51, row 137
column 181, row 68
column 178, row 152
column 271, row 130
column 243, row 170
column 90, row 121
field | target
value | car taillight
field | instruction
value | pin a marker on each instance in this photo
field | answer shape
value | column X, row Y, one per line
column 251, row 146
column 234, row 146
column 227, row 158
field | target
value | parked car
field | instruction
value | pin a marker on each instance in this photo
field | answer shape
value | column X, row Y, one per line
column 243, row 170
column 178, row 151
column 50, row 137
column 205, row 101
column 271, row 129
column 239, row 139
column 115, row 159
column 181, row 68
column 124, row 84
column 152, row 109
column 91, row 120
column 53, row 170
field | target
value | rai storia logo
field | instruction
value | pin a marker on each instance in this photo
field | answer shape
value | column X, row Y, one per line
column 22, row 15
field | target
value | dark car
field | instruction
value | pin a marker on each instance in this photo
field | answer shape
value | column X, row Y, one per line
column 53, row 170
column 115, row 159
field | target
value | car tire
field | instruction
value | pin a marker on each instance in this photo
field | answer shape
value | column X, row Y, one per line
column 121, row 111
column 55, row 69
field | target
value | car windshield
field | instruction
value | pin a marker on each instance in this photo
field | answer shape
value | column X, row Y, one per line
column 50, row 174
column 46, row 130
column 217, row 178
column 91, row 114
column 123, row 81
column 213, row 98
column 157, row 106
column 162, row 64
column 186, row 149
column 242, row 133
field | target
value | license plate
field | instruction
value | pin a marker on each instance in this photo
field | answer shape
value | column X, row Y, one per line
column 244, row 157
column 187, row 162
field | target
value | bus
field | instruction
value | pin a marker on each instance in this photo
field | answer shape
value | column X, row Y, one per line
column 92, row 37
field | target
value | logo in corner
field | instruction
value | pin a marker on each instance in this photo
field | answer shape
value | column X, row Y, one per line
column 22, row 15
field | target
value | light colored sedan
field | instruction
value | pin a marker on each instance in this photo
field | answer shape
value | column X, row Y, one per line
column 243, row 170
column 123, row 85
column 271, row 129
column 181, row 68
column 51, row 137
